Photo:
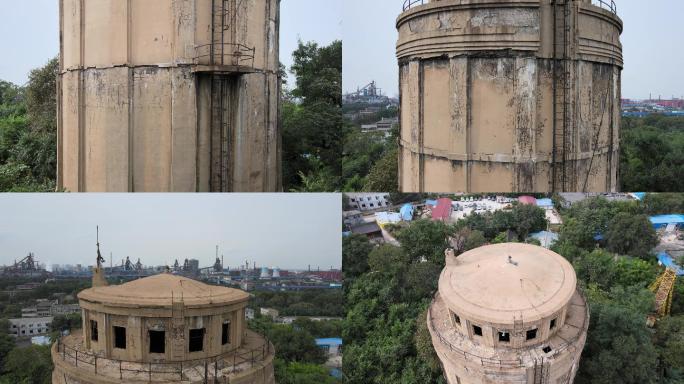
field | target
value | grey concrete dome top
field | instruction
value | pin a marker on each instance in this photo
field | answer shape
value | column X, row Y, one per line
column 502, row 283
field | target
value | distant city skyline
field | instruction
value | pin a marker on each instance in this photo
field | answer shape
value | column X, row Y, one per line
column 286, row 231
column 652, row 60
column 31, row 32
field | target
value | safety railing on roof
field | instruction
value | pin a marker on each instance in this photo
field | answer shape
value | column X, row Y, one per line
column 513, row 363
column 606, row 4
column 408, row 4
column 225, row 54
column 215, row 368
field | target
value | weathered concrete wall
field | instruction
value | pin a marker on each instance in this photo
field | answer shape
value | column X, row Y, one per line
column 137, row 111
column 481, row 105
column 514, row 321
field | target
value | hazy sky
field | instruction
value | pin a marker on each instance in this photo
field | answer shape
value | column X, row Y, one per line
column 29, row 32
column 651, row 40
column 283, row 230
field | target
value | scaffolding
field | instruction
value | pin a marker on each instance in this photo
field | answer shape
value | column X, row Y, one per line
column 663, row 288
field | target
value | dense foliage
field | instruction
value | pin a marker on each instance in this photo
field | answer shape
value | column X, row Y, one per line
column 312, row 120
column 386, row 339
column 298, row 359
column 32, row 364
column 620, row 347
column 652, row 154
column 28, row 133
column 313, row 302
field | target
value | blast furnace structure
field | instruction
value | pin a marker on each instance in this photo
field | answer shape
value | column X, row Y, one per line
column 508, row 314
column 169, row 95
column 509, row 95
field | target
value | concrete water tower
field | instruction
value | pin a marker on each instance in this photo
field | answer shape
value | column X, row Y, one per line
column 163, row 329
column 508, row 313
column 509, row 95
column 169, row 95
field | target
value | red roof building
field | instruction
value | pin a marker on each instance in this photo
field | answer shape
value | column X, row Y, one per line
column 443, row 210
column 527, row 200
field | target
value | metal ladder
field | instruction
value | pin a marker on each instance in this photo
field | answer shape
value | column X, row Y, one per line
column 221, row 21
column 540, row 373
column 562, row 93
column 221, row 133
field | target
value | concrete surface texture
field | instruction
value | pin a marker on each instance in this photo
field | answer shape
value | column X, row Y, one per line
column 508, row 313
column 169, row 95
column 509, row 95
column 163, row 328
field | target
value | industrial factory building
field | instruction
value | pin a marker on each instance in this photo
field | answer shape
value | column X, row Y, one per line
column 169, row 96
column 509, row 95
column 508, row 313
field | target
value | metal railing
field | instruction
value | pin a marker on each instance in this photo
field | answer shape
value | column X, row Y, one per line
column 513, row 363
column 605, row 4
column 408, row 4
column 213, row 368
column 226, row 53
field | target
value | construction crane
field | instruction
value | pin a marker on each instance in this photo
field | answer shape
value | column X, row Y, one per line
column 663, row 288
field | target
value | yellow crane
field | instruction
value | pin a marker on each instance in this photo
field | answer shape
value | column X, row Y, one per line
column 663, row 288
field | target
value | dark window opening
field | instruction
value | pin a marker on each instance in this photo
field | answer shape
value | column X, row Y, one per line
column 196, row 340
column 120, row 337
column 477, row 330
column 531, row 334
column 93, row 330
column 225, row 333
column 553, row 324
column 505, row 337
column 457, row 319
column 546, row 349
column 157, row 342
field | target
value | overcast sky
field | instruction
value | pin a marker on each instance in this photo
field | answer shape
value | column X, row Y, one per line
column 274, row 230
column 29, row 32
column 651, row 40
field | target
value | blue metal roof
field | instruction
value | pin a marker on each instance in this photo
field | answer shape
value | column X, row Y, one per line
column 407, row 212
column 329, row 341
column 667, row 219
column 544, row 203
column 639, row 195
column 668, row 262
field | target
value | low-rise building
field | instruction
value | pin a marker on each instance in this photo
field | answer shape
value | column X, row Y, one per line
column 269, row 312
column 332, row 346
column 29, row 326
column 368, row 201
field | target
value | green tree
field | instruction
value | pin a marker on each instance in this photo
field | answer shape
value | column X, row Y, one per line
column 28, row 134
column 669, row 338
column 528, row 219
column 355, row 250
column 292, row 344
column 618, row 348
column 312, row 120
column 383, row 175
column 28, row 365
column 301, row 373
column 425, row 239
column 631, row 235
